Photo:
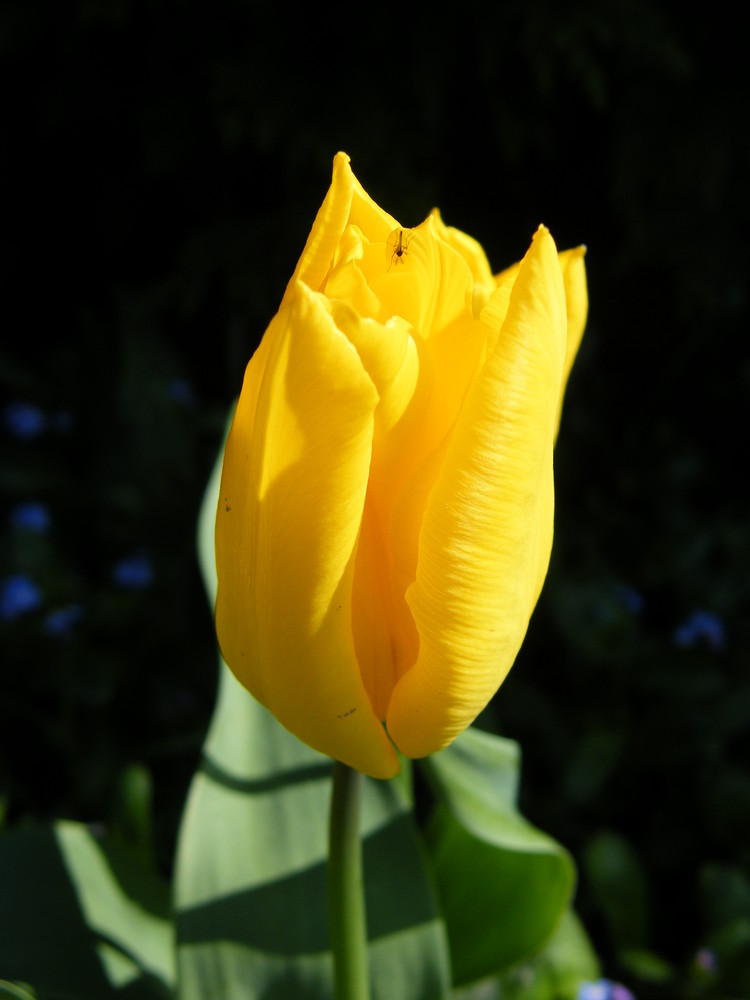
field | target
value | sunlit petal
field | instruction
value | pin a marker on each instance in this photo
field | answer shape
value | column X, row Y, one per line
column 386, row 513
column 292, row 494
column 330, row 222
column 473, row 253
column 487, row 527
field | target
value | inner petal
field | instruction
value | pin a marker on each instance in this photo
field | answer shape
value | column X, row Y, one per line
column 422, row 356
column 385, row 637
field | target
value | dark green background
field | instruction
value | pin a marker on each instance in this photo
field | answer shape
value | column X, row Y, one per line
column 162, row 164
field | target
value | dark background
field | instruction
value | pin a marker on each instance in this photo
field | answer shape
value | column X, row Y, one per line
column 162, row 164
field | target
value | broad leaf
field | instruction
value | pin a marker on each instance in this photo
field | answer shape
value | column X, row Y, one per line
column 82, row 918
column 503, row 885
column 555, row 973
column 251, row 864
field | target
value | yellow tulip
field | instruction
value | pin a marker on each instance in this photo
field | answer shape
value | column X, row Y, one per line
column 385, row 516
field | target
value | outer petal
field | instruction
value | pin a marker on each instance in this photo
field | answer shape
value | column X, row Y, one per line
column 495, row 309
column 292, row 494
column 576, row 303
column 346, row 204
column 487, row 529
column 577, row 307
column 374, row 221
column 330, row 222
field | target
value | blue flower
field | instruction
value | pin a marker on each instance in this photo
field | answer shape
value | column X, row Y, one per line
column 620, row 992
column 134, row 572
column 630, row 598
column 700, row 626
column 24, row 420
column 31, row 516
column 604, row 989
column 594, row 991
column 18, row 595
column 61, row 621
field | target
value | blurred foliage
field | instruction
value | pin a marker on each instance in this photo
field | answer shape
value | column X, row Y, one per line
column 162, row 166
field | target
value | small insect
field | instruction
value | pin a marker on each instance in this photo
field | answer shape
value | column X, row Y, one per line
column 400, row 247
column 345, row 715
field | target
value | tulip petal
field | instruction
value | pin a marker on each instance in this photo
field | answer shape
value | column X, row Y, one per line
column 430, row 286
column 487, row 529
column 496, row 308
column 369, row 216
column 346, row 203
column 473, row 253
column 292, row 494
column 577, row 307
column 330, row 222
column 346, row 280
column 384, row 635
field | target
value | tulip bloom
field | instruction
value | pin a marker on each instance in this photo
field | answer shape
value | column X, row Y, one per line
column 385, row 517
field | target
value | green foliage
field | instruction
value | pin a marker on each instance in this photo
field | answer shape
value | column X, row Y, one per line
column 554, row 973
column 250, row 879
column 82, row 917
column 16, row 991
column 503, row 885
column 618, row 885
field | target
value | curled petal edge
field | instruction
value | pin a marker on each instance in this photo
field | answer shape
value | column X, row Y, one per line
column 292, row 493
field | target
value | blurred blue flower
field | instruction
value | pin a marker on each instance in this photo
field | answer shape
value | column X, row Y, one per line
column 18, row 595
column 135, row 572
column 31, row 516
column 24, row 420
column 60, row 622
column 700, row 626
column 620, row 992
column 630, row 598
column 604, row 989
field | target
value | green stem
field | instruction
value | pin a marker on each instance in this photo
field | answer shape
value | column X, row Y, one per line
column 346, row 898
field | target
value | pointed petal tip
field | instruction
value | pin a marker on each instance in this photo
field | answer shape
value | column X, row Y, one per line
column 389, row 768
column 377, row 759
column 341, row 166
column 543, row 234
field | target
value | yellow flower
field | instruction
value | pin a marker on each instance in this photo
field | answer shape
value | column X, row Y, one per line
column 385, row 517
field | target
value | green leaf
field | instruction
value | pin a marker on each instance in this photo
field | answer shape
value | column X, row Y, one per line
column 250, row 883
column 81, row 918
column 645, row 965
column 16, row 991
column 618, row 884
column 566, row 960
column 503, row 885
column 131, row 820
column 724, row 893
column 554, row 973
